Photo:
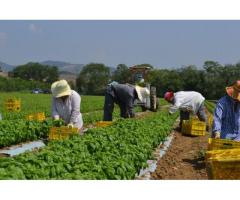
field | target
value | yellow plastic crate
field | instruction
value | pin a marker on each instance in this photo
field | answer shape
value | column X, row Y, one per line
column 214, row 144
column 30, row 117
column 63, row 132
column 210, row 120
column 37, row 116
column 103, row 123
column 40, row 116
column 185, row 127
column 223, row 164
column 194, row 127
column 13, row 105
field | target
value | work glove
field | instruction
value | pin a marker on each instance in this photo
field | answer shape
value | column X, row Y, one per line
column 70, row 125
column 217, row 135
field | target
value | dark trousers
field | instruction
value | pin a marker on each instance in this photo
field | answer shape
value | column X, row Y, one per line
column 202, row 116
column 108, row 107
column 110, row 99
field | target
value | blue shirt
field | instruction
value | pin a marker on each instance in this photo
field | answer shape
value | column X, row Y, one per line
column 226, row 119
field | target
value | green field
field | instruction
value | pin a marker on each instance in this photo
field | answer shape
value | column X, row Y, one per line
column 115, row 152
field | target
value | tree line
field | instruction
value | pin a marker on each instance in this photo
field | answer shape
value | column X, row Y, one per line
column 210, row 80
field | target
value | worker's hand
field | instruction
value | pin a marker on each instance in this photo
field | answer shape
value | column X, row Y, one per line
column 70, row 125
column 217, row 135
column 56, row 117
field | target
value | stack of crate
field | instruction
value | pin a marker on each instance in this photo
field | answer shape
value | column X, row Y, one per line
column 13, row 105
column 223, row 159
column 193, row 127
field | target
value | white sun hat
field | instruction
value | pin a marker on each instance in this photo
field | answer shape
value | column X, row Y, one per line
column 60, row 88
column 142, row 92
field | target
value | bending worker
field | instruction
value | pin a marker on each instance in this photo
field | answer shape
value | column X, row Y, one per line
column 124, row 95
column 66, row 104
column 226, row 119
column 187, row 102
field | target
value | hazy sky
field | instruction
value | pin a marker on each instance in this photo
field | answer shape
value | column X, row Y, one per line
column 160, row 43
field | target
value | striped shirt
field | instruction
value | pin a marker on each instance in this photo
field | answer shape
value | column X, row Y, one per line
column 226, row 118
column 69, row 110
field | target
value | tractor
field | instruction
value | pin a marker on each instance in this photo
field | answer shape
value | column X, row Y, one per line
column 139, row 74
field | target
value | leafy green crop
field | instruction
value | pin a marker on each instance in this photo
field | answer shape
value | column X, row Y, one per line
column 115, row 152
column 210, row 106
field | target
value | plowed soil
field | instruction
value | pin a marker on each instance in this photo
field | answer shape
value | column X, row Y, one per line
column 184, row 160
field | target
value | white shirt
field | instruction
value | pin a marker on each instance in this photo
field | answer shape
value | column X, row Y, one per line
column 69, row 110
column 187, row 101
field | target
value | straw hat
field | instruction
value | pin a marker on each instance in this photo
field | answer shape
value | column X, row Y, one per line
column 142, row 92
column 234, row 90
column 60, row 88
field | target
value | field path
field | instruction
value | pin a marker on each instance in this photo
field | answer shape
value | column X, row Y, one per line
column 183, row 160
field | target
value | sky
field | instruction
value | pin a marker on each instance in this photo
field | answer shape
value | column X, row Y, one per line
column 161, row 43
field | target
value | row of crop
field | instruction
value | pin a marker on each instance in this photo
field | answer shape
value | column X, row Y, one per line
column 17, row 131
column 115, row 152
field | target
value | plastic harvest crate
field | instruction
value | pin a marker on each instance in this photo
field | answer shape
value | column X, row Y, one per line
column 223, row 164
column 37, row 116
column 13, row 105
column 193, row 127
column 58, row 133
column 210, row 120
column 103, row 123
column 215, row 144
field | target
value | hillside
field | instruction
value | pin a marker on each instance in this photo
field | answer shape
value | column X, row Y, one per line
column 64, row 66
column 6, row 67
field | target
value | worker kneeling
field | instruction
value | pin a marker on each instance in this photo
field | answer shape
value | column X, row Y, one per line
column 124, row 95
column 66, row 104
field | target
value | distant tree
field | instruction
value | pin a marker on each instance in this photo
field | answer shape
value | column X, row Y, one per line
column 145, row 65
column 17, row 84
column 214, row 83
column 122, row 74
column 72, row 84
column 190, row 77
column 93, row 79
column 37, row 72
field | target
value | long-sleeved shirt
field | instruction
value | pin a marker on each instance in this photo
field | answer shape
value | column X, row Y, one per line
column 125, row 95
column 187, row 101
column 68, row 110
column 226, row 119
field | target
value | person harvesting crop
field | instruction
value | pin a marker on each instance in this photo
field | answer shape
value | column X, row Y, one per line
column 66, row 104
column 124, row 95
column 226, row 118
column 187, row 102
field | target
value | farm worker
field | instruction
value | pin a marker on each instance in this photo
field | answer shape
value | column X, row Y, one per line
column 187, row 102
column 226, row 118
column 124, row 95
column 66, row 104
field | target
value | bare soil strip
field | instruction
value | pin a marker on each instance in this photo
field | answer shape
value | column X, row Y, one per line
column 184, row 160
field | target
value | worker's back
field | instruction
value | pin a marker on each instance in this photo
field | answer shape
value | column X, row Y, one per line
column 124, row 92
column 188, row 99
